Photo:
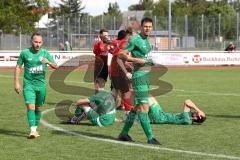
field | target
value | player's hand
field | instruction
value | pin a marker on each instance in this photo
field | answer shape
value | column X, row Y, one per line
column 18, row 88
column 201, row 114
column 45, row 61
column 141, row 61
column 129, row 76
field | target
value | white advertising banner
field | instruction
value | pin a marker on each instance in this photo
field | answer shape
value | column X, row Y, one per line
column 172, row 58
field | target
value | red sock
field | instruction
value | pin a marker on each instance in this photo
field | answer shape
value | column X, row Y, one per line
column 127, row 100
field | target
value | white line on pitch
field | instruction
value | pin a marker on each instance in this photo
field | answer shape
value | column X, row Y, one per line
column 45, row 123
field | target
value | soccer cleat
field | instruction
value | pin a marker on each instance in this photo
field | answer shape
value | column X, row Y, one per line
column 122, row 137
column 153, row 141
column 33, row 134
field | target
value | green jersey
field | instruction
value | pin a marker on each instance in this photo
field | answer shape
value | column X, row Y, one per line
column 139, row 47
column 34, row 69
column 158, row 116
column 104, row 101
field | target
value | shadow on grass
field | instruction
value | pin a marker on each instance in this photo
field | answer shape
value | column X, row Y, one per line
column 86, row 123
column 222, row 116
column 51, row 103
column 13, row 133
column 94, row 135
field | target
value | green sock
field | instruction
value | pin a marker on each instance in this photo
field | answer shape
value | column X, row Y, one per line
column 38, row 116
column 31, row 117
column 129, row 122
column 78, row 111
column 145, row 123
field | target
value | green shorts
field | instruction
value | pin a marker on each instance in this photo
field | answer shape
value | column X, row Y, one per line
column 103, row 120
column 141, row 87
column 34, row 95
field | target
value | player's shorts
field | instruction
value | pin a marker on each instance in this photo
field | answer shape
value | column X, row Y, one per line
column 101, row 68
column 34, row 95
column 103, row 120
column 120, row 83
column 141, row 87
column 158, row 116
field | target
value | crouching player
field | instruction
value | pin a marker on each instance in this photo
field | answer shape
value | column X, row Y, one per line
column 191, row 114
column 99, row 108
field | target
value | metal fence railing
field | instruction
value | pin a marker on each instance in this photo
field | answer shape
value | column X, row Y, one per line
column 188, row 33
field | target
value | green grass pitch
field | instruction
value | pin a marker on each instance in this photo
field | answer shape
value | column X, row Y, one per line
column 215, row 91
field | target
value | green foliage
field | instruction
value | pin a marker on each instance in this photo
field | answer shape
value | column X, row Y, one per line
column 69, row 8
column 113, row 9
column 143, row 5
column 16, row 16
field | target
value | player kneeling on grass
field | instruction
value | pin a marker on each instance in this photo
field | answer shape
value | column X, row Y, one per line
column 35, row 60
column 99, row 108
column 191, row 114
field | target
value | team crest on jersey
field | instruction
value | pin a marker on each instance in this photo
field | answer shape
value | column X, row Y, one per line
column 40, row 58
column 29, row 59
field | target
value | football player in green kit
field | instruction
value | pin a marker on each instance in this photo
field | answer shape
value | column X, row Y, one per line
column 140, row 47
column 99, row 108
column 35, row 60
column 191, row 114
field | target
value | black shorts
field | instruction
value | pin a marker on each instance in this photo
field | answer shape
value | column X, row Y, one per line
column 101, row 68
column 120, row 83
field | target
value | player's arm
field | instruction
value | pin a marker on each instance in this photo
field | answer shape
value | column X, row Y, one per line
column 123, row 54
column 16, row 79
column 83, row 101
column 123, row 68
column 49, row 61
column 188, row 104
column 51, row 64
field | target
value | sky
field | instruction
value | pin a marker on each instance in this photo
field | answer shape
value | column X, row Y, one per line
column 97, row 7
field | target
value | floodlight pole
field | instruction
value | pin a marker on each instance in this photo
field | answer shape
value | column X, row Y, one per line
column 169, row 25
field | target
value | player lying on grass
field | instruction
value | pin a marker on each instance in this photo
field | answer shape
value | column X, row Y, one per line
column 99, row 108
column 191, row 114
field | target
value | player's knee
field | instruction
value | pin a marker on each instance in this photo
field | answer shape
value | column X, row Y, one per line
column 31, row 107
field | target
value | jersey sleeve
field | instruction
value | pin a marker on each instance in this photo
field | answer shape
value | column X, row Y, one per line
column 131, row 44
column 20, row 59
column 49, row 57
column 92, row 98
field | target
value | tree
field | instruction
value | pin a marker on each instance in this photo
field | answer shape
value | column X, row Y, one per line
column 113, row 9
column 16, row 16
column 70, row 7
column 142, row 5
column 66, row 17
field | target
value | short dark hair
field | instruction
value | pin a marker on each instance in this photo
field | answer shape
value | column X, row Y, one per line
column 146, row 19
column 199, row 119
column 100, row 82
column 36, row 34
column 103, row 30
column 129, row 31
column 121, row 34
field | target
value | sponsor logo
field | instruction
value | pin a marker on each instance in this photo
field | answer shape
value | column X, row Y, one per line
column 13, row 58
column 196, row 58
column 2, row 58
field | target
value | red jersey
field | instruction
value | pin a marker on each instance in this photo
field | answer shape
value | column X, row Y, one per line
column 115, row 46
column 101, row 49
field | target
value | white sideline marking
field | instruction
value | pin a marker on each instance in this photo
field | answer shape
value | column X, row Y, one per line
column 46, row 124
